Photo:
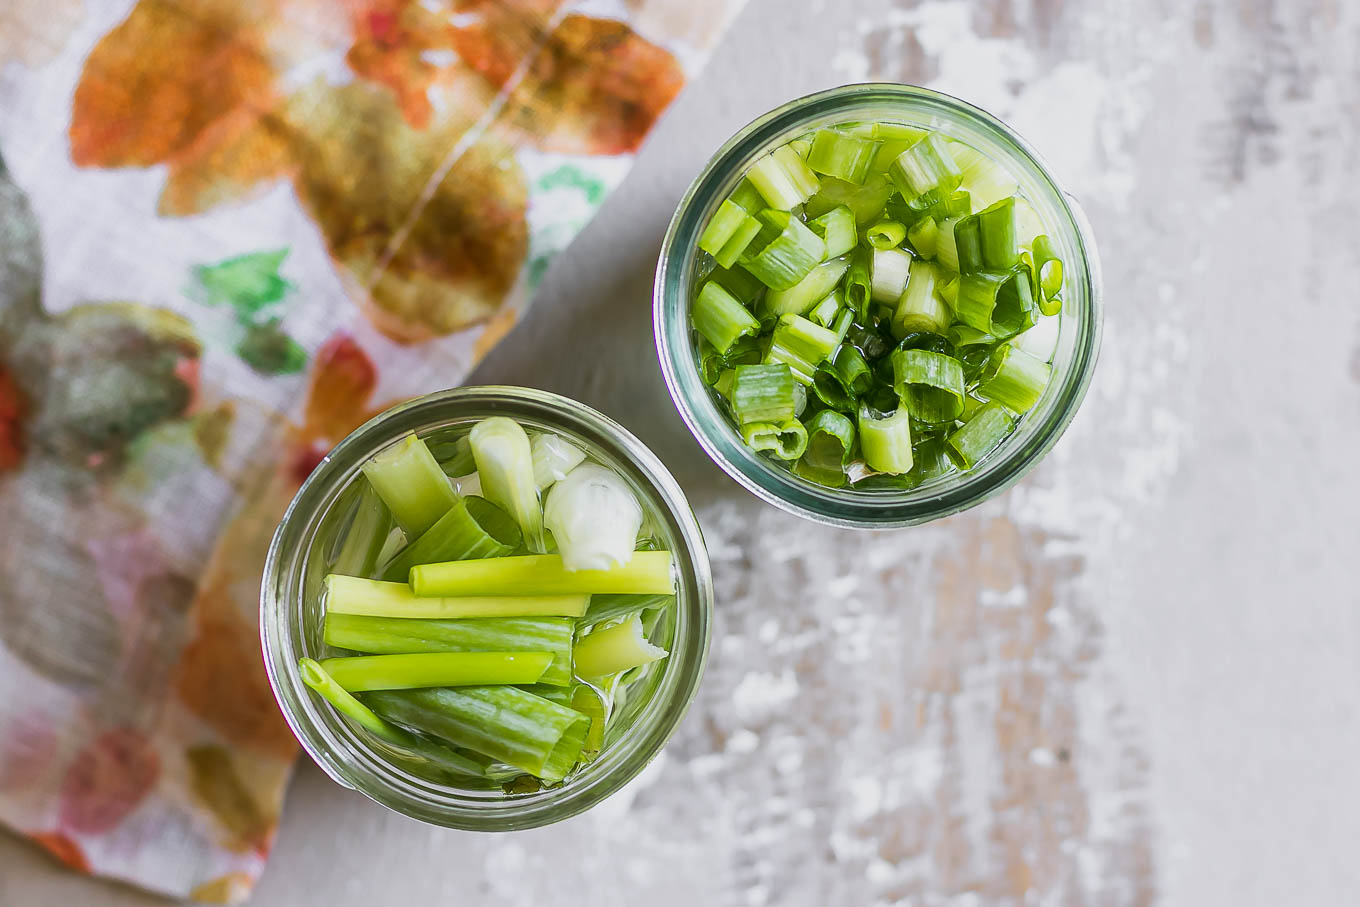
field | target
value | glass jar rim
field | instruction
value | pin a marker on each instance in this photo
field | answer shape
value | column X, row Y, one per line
column 852, row 508
column 333, row 743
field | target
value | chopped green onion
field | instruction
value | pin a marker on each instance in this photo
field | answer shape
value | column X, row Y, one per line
column 402, row 636
column 801, row 345
column 787, row 440
column 590, row 702
column 844, row 319
column 783, row 179
column 886, row 441
column 763, row 393
column 980, row 435
column 866, row 202
column 747, row 197
column 362, row 673
column 996, row 303
column 473, row 528
column 723, row 386
column 931, row 460
column 831, row 438
column 925, row 168
column 739, row 282
column 968, row 244
column 889, row 274
column 837, row 230
column 886, row 234
column 828, row 387
column 962, row 335
column 801, row 147
column 611, row 607
column 505, row 463
column 554, row 457
column 853, row 370
column 1048, row 273
column 542, row 574
column 613, row 649
column 859, row 281
column 721, row 226
column 504, row 722
column 842, row 155
column 737, row 244
column 996, row 224
column 1014, row 378
column 594, row 517
column 824, row 313
column 368, row 530
column 720, row 318
column 923, row 235
column 930, row 384
column 408, row 479
column 455, row 457
column 802, row 296
column 921, row 308
column 983, row 178
column 375, row 598
column 784, row 250
column 946, row 248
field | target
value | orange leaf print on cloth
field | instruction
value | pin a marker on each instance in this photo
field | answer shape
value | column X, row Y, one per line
column 594, row 86
column 107, row 780
column 343, row 379
column 63, row 848
column 217, row 784
column 390, row 38
column 13, row 408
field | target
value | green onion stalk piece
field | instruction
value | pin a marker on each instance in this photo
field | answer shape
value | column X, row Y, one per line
column 889, row 273
column 473, row 528
column 930, row 384
column 1047, row 269
column 365, row 536
column 455, row 457
column 926, row 169
column 763, row 393
column 968, row 244
column 867, row 202
column 723, row 386
column 362, row 673
column 996, row 303
column 747, row 197
column 961, row 335
column 408, row 479
column 980, row 435
column 786, row 440
column 923, row 235
column 886, row 234
column 996, row 226
column 802, row 296
column 931, row 460
column 505, row 463
column 553, row 457
column 837, row 231
column 403, row 742
column 783, row 179
column 1014, row 378
column 590, row 702
column 739, row 282
column 737, row 244
column 886, row 441
column 859, row 281
column 594, row 517
column 825, row 312
column 801, row 345
column 845, row 318
column 784, row 250
column 542, row 575
column 614, row 649
column 842, row 155
column 721, row 226
column 503, row 722
column 720, row 318
column 612, row 607
column 830, row 389
column 946, row 249
column 374, row 598
column 831, row 438
column 983, row 178
column 402, row 636
column 921, row 308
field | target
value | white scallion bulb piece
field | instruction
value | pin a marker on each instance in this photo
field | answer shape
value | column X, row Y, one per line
column 553, row 459
column 594, row 518
column 500, row 448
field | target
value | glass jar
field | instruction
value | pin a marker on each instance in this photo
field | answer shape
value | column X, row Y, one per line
column 303, row 546
column 1078, row 332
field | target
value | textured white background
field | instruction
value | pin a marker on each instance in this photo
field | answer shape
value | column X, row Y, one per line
column 1134, row 679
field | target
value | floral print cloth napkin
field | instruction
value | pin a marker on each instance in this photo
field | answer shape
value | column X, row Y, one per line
column 230, row 231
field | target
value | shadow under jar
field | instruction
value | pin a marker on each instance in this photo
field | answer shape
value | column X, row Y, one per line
column 304, row 550
column 1070, row 350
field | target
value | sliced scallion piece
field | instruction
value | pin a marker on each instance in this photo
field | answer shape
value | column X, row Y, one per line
column 926, row 169
column 980, row 435
column 824, row 313
column 995, row 302
column 375, row 598
column 613, row 649
column 505, row 463
column 594, row 518
column 837, row 230
column 784, row 250
column 720, row 318
column 889, row 273
column 802, row 296
column 801, row 345
column 542, row 575
column 930, row 384
column 367, row 532
column 554, row 457
column 782, row 179
column 859, row 281
column 408, row 479
column 362, row 673
column 923, row 235
column 737, row 244
column 885, row 441
column 474, row 527
column 721, row 226
column 785, row 440
column 1014, row 378
column 842, row 155
column 1000, row 250
column 763, row 393
column 921, row 308
column 831, row 438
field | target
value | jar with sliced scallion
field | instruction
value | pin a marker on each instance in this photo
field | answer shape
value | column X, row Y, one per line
column 875, row 305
